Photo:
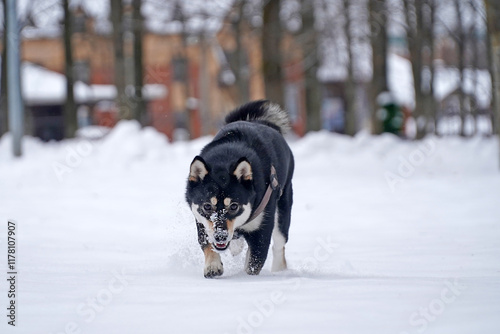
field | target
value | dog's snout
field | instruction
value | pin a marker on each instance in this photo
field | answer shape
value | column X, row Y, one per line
column 221, row 235
column 220, row 229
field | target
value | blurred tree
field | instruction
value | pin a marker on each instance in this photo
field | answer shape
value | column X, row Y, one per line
column 271, row 52
column 308, row 39
column 178, row 15
column 493, row 26
column 350, row 86
column 122, row 103
column 459, row 37
column 493, row 19
column 474, row 46
column 139, row 105
column 241, row 71
column 420, row 20
column 415, row 40
column 429, row 101
column 378, row 38
column 204, row 83
column 70, row 119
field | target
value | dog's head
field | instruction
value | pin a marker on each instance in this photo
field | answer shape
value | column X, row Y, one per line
column 220, row 196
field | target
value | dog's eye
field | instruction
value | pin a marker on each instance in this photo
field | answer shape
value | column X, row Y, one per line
column 207, row 207
column 234, row 207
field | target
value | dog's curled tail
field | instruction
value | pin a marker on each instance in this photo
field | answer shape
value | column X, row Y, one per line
column 263, row 111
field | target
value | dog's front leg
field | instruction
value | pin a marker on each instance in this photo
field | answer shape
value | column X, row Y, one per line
column 213, row 263
column 258, row 247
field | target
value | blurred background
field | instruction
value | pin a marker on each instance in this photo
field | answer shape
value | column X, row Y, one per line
column 408, row 67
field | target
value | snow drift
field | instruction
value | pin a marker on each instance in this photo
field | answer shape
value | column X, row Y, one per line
column 387, row 236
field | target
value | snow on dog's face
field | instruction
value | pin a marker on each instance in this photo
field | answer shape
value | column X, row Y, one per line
column 220, row 197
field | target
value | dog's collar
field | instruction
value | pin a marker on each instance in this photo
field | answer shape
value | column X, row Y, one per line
column 273, row 185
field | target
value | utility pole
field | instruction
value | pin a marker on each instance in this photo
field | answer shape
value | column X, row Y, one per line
column 16, row 106
column 4, row 109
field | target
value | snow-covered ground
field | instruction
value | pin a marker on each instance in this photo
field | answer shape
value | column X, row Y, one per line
column 387, row 236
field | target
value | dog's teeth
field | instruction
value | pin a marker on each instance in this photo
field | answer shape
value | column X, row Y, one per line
column 220, row 245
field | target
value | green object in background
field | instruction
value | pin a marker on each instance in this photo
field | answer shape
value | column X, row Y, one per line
column 390, row 114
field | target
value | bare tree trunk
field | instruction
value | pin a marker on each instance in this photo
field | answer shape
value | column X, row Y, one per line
column 241, row 72
column 429, row 101
column 309, row 43
column 139, row 105
column 378, row 39
column 350, row 91
column 122, row 104
column 70, row 119
column 179, row 15
column 475, row 66
column 415, row 45
column 204, row 86
column 187, row 83
column 493, row 17
column 271, row 52
column 433, row 105
column 460, row 39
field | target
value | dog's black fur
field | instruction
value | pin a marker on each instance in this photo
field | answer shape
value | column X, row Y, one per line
column 228, row 180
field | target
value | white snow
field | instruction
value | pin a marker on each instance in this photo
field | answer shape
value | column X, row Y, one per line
column 400, row 79
column 41, row 86
column 107, row 244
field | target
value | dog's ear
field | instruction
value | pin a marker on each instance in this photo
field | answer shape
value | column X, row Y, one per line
column 243, row 170
column 198, row 169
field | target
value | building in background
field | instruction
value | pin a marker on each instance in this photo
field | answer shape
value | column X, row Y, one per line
column 177, row 67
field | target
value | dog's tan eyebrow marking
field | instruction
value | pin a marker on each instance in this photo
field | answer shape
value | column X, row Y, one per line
column 213, row 200
column 227, row 201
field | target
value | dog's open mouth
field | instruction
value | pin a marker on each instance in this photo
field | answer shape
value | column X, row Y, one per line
column 221, row 245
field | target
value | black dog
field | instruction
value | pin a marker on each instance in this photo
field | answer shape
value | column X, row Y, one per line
column 241, row 186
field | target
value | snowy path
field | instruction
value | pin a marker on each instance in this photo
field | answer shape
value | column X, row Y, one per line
column 111, row 247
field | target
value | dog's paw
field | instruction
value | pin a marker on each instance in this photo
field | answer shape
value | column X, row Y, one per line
column 213, row 269
column 253, row 270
